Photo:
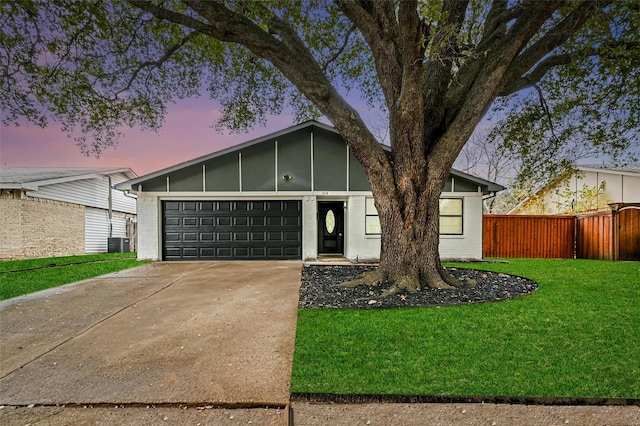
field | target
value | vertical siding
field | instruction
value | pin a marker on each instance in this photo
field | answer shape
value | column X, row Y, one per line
column 593, row 236
column 626, row 226
column 529, row 236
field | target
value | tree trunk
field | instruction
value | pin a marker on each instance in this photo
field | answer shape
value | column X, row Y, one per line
column 409, row 254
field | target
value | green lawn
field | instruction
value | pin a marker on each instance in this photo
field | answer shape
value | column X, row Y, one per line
column 577, row 336
column 18, row 277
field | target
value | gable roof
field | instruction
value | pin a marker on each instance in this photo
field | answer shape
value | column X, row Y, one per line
column 311, row 124
column 30, row 178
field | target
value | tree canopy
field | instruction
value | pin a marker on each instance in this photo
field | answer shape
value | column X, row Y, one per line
column 558, row 73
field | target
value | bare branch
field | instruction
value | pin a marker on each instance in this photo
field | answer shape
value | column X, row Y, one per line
column 341, row 49
column 158, row 63
column 537, row 74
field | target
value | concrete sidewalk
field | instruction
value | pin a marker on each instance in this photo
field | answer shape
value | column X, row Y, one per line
column 172, row 335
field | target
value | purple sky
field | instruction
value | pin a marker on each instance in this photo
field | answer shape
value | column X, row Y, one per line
column 186, row 134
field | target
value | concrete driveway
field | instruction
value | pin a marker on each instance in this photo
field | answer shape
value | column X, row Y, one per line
column 199, row 334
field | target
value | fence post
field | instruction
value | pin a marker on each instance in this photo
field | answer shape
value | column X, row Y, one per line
column 615, row 231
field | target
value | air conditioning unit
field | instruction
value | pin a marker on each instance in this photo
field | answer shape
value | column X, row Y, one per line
column 118, row 245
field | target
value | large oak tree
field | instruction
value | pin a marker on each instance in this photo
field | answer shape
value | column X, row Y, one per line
column 435, row 67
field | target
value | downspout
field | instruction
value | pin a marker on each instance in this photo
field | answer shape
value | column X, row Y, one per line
column 110, row 208
column 486, row 198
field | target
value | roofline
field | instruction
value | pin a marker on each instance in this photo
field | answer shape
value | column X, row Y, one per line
column 600, row 170
column 128, row 185
column 35, row 184
column 295, row 128
column 491, row 186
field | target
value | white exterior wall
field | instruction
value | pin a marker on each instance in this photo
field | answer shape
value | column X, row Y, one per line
column 357, row 245
column 466, row 246
column 469, row 244
column 149, row 228
column 309, row 228
column 97, row 227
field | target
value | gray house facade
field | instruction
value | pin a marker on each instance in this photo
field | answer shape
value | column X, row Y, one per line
column 294, row 194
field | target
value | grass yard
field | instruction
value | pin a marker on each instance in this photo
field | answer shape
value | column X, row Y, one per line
column 18, row 277
column 577, row 336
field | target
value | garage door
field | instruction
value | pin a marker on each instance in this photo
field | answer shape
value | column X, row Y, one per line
column 217, row 230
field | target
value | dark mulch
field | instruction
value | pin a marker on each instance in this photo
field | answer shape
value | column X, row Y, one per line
column 318, row 289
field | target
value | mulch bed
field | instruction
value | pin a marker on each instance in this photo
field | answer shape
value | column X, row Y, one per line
column 319, row 289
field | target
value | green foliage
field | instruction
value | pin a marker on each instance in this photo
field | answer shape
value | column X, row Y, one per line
column 574, row 337
column 587, row 107
column 584, row 200
column 100, row 66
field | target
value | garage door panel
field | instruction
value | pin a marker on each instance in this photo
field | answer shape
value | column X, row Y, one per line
column 210, row 230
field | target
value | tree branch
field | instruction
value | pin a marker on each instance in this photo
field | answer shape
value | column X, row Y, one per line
column 168, row 15
column 437, row 72
column 541, row 69
column 553, row 38
column 341, row 49
column 378, row 25
column 158, row 63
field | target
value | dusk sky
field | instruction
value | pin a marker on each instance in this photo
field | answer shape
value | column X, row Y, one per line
column 186, row 134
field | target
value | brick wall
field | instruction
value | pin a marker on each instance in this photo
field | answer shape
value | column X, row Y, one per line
column 34, row 227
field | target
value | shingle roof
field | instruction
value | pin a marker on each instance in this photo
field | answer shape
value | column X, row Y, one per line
column 32, row 177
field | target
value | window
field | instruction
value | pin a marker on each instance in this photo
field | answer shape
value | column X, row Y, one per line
column 371, row 220
column 450, row 217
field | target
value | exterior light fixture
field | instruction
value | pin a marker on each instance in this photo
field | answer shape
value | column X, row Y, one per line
column 287, row 178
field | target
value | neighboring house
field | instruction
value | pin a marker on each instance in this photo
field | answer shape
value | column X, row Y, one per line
column 57, row 211
column 294, row 194
column 589, row 189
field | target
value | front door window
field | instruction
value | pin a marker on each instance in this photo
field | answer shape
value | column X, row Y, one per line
column 330, row 222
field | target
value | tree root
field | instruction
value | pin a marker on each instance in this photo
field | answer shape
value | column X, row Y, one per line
column 367, row 278
column 405, row 284
column 450, row 281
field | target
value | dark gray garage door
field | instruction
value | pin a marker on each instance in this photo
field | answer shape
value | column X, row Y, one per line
column 215, row 230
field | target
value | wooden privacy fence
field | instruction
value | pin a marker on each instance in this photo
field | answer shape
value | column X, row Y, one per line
column 593, row 236
column 528, row 236
column 612, row 235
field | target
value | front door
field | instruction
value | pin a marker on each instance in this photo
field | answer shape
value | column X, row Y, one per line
column 331, row 227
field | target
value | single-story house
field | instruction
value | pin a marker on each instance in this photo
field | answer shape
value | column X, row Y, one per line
column 293, row 194
column 58, row 211
column 590, row 188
